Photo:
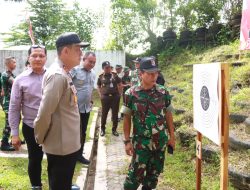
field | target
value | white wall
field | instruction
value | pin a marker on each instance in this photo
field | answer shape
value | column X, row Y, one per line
column 114, row 57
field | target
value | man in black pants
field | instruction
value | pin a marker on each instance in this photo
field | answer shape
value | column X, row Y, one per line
column 83, row 78
column 57, row 122
column 25, row 97
column 109, row 89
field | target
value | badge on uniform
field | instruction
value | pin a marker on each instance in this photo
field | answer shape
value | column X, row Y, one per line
column 111, row 83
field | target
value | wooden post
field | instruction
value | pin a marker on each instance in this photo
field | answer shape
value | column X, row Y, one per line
column 224, row 121
column 198, row 161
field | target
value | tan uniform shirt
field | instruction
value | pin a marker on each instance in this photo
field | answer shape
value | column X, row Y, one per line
column 57, row 123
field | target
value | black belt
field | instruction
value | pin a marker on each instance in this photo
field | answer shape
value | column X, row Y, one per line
column 110, row 94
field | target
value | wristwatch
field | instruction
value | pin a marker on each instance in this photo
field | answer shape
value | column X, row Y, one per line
column 126, row 141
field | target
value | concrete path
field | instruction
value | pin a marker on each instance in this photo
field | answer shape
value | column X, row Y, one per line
column 112, row 162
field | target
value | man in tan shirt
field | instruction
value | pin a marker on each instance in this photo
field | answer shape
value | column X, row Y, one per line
column 57, row 123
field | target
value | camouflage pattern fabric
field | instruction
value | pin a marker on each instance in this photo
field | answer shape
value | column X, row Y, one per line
column 126, row 80
column 135, row 77
column 6, row 131
column 148, row 109
column 7, row 80
column 1, row 98
column 146, row 166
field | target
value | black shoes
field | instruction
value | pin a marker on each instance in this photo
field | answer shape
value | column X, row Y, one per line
column 36, row 188
column 75, row 187
column 83, row 160
column 145, row 188
column 7, row 147
column 115, row 133
column 102, row 133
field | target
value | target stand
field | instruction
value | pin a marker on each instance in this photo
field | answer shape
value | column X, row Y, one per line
column 211, row 118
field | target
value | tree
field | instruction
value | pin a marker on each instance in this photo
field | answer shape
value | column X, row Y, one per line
column 133, row 22
column 124, row 26
column 81, row 21
column 49, row 19
column 167, row 10
column 186, row 13
column 207, row 12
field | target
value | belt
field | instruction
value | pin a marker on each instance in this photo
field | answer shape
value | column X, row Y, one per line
column 110, row 94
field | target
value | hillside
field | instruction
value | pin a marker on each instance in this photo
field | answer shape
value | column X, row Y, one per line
column 176, row 66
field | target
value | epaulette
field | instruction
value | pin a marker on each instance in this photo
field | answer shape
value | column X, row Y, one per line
column 113, row 73
column 101, row 74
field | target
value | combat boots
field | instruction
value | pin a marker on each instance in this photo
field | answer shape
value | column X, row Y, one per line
column 36, row 188
column 145, row 188
column 6, row 147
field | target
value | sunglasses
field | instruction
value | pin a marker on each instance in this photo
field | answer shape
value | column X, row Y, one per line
column 38, row 46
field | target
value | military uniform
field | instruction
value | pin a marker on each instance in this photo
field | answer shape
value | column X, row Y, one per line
column 135, row 77
column 110, row 97
column 1, row 98
column 148, row 109
column 7, row 80
column 125, row 81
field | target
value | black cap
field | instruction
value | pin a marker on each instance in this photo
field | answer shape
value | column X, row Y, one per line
column 105, row 63
column 70, row 38
column 137, row 60
column 148, row 64
column 118, row 66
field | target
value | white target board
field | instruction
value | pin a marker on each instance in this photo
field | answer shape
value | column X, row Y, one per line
column 206, row 81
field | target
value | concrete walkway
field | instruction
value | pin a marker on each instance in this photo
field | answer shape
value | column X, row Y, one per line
column 112, row 162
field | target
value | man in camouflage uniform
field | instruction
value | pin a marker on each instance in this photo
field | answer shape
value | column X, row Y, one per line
column 149, row 106
column 126, row 84
column 126, row 81
column 109, row 89
column 7, row 80
column 118, row 70
column 1, row 92
column 135, row 74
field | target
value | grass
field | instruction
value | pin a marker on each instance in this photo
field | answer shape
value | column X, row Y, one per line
column 179, row 172
column 13, row 174
column 13, row 171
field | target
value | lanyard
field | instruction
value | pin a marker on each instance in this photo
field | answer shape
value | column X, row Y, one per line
column 72, row 86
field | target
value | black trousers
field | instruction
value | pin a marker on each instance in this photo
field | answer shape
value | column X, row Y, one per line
column 61, row 170
column 84, row 124
column 110, row 102
column 35, row 155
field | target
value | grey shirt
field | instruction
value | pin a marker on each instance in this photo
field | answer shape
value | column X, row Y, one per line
column 84, row 82
column 57, row 122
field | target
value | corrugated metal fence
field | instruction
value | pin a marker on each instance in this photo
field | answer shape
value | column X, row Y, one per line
column 114, row 57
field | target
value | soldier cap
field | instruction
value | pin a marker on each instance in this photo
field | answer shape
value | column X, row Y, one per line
column 118, row 66
column 105, row 63
column 126, row 69
column 148, row 64
column 137, row 60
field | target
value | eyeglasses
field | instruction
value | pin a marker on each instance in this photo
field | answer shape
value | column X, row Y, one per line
column 38, row 46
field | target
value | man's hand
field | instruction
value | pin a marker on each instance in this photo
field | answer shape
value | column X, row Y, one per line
column 171, row 142
column 129, row 149
column 16, row 142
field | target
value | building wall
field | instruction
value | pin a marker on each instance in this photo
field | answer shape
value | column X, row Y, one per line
column 114, row 57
